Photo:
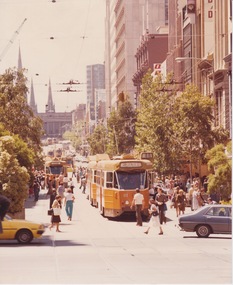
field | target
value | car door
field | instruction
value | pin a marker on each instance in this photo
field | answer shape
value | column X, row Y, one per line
column 219, row 220
column 8, row 229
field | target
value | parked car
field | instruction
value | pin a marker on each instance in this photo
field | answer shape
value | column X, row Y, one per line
column 209, row 219
column 21, row 230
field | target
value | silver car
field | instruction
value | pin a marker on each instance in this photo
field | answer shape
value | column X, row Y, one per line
column 209, row 219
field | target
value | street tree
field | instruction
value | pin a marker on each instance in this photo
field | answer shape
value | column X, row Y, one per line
column 155, row 123
column 121, row 129
column 193, row 125
column 15, row 114
column 220, row 167
column 98, row 140
column 14, row 178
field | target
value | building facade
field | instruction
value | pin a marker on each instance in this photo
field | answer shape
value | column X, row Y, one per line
column 54, row 123
column 126, row 22
column 200, row 51
column 95, row 75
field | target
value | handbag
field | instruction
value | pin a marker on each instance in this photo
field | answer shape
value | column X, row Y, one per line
column 57, row 211
column 164, row 207
column 50, row 212
column 155, row 214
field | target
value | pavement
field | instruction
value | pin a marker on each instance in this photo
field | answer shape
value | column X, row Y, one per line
column 91, row 249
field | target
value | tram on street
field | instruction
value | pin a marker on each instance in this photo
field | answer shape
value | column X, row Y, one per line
column 112, row 183
column 55, row 167
column 69, row 162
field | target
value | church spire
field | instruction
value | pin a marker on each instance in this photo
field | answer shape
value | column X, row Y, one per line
column 32, row 103
column 50, row 107
column 20, row 66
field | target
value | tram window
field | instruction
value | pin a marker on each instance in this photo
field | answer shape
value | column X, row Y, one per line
column 128, row 180
column 109, row 179
column 95, row 176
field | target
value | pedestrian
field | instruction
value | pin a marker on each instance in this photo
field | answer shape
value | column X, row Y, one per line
column 138, row 203
column 56, row 219
column 180, row 202
column 161, row 200
column 71, row 185
column 65, row 181
column 154, row 218
column 69, row 200
column 83, row 184
column 4, row 206
column 36, row 190
column 210, row 201
column 73, row 172
column 52, row 198
column 61, row 191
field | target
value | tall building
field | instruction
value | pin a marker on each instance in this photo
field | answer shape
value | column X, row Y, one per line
column 95, row 80
column 126, row 21
column 200, row 51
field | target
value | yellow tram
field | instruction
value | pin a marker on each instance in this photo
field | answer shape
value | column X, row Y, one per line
column 112, row 183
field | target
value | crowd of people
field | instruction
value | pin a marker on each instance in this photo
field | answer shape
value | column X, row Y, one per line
column 175, row 190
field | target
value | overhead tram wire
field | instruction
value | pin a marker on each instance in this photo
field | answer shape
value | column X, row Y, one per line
column 83, row 38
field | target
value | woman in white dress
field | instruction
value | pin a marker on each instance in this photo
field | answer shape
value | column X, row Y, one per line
column 195, row 199
column 154, row 220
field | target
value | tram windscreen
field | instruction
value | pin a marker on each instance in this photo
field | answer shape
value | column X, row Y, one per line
column 56, row 169
column 132, row 180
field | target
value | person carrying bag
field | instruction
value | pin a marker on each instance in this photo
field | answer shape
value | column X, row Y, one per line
column 56, row 219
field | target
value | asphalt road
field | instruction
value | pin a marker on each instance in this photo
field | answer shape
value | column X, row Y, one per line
column 94, row 250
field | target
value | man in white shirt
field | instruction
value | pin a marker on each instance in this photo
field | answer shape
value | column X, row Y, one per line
column 138, row 202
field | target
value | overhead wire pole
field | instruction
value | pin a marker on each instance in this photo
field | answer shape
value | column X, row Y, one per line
column 11, row 41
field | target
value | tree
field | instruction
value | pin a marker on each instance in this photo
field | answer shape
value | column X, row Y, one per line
column 155, row 123
column 98, row 140
column 193, row 125
column 121, row 129
column 14, row 178
column 15, row 114
column 220, row 166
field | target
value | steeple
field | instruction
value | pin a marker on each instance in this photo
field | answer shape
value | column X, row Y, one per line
column 20, row 66
column 50, row 107
column 32, row 103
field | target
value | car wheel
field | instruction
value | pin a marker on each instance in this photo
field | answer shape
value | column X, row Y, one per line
column 203, row 231
column 24, row 236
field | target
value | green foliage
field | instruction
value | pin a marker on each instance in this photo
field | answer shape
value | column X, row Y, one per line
column 98, row 140
column 155, row 123
column 15, row 114
column 121, row 129
column 220, row 164
column 14, row 178
column 20, row 138
column 176, row 128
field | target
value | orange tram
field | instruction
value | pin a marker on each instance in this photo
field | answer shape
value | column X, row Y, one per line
column 112, row 183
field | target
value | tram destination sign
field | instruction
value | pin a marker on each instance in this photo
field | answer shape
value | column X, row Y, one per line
column 131, row 164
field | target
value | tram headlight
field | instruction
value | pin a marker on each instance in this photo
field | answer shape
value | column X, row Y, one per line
column 126, row 202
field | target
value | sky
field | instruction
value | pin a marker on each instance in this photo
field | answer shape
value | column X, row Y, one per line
column 57, row 41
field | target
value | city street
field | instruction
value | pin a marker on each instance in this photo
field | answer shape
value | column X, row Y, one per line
column 94, row 250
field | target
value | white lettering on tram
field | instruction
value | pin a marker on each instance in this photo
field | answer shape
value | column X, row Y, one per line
column 131, row 164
